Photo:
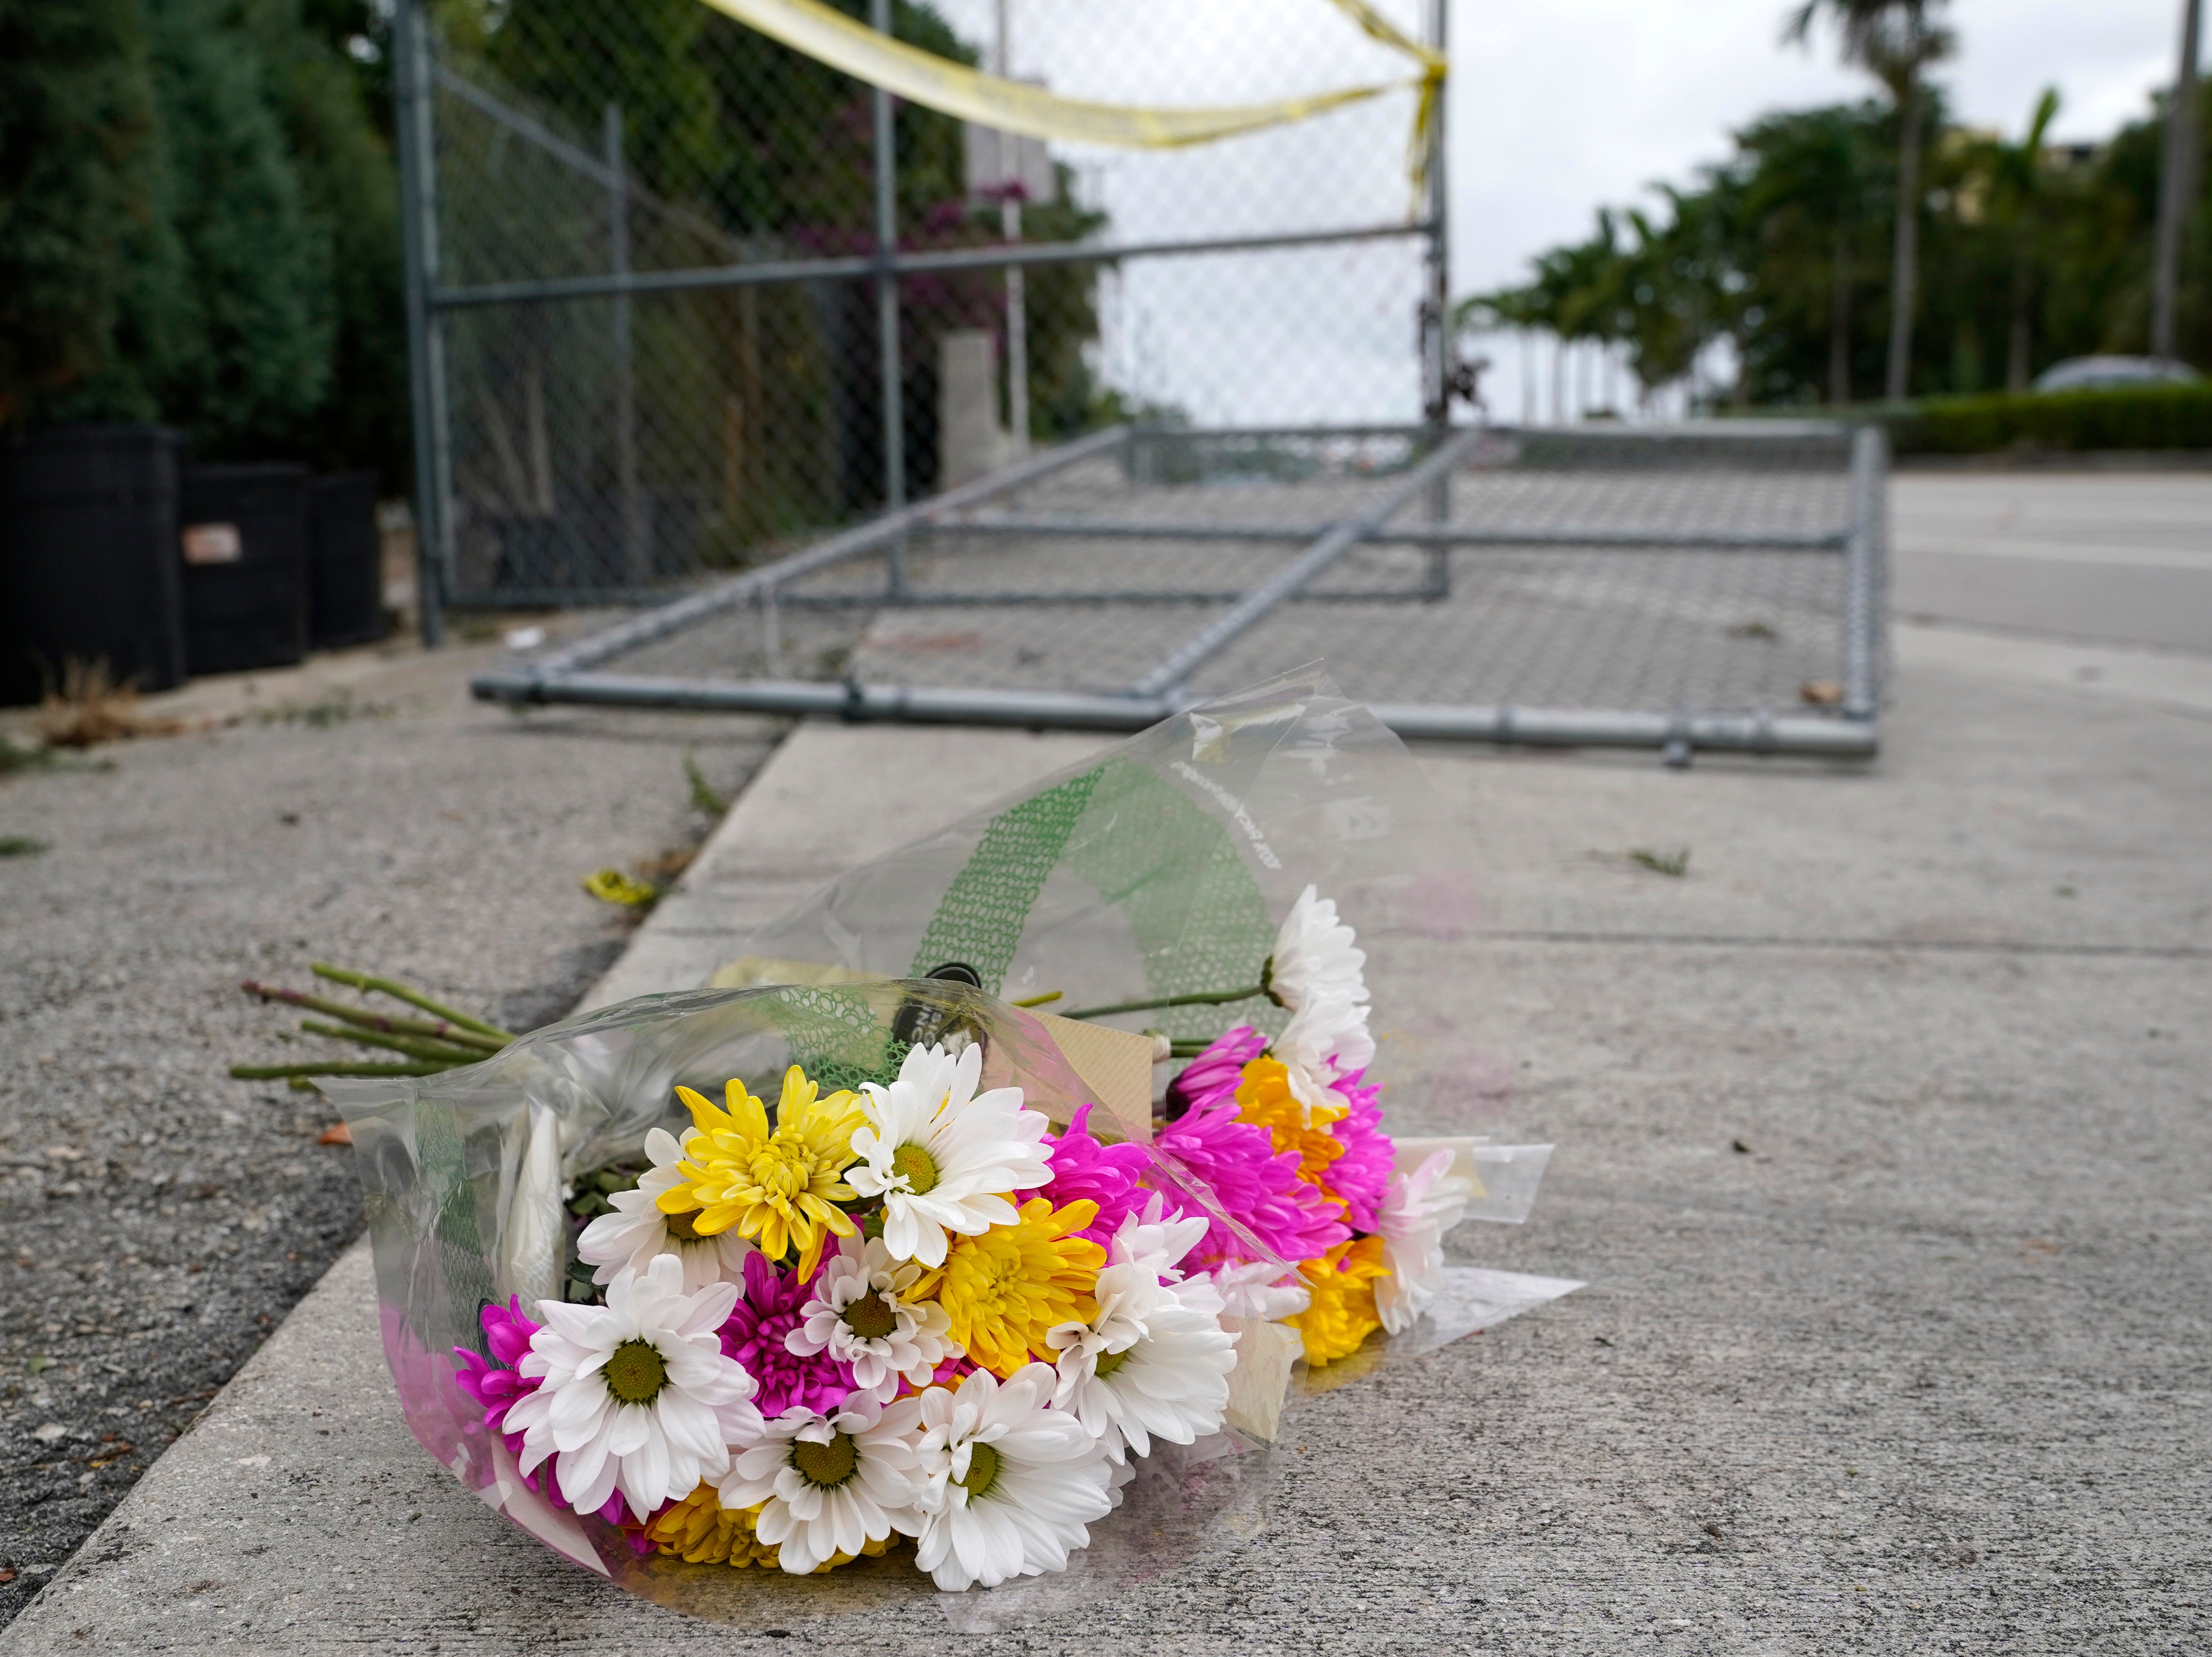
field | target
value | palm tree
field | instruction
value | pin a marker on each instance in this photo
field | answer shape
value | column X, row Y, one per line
column 2016, row 178
column 1893, row 40
column 1807, row 193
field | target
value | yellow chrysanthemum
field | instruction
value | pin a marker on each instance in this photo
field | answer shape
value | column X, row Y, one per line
column 700, row 1531
column 1342, row 1313
column 780, row 1189
column 1264, row 1098
column 1003, row 1290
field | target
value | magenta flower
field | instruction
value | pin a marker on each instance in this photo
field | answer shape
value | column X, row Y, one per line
column 1213, row 1075
column 1362, row 1175
column 772, row 1308
column 1253, row 1185
column 951, row 1373
column 1083, row 1170
column 496, row 1386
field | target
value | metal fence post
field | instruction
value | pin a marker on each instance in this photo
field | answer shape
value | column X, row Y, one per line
column 418, row 230
column 1865, row 562
column 1437, row 369
column 633, row 524
column 887, row 308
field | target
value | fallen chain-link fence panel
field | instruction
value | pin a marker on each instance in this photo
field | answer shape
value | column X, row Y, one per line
column 1710, row 586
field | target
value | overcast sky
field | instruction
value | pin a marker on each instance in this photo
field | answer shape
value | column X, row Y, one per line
column 1561, row 106
column 1557, row 108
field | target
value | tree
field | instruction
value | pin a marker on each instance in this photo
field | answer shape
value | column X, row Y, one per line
column 77, row 190
column 2015, row 175
column 1894, row 41
column 1808, row 188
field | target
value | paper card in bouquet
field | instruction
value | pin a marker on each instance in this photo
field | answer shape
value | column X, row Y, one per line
column 764, row 1298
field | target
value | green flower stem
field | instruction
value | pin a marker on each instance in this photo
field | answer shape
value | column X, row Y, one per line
column 279, row 1072
column 431, row 1052
column 439, row 1029
column 1208, row 999
column 1047, row 998
column 413, row 997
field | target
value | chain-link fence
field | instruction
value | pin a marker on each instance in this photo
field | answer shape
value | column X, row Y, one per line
column 1715, row 586
column 683, row 298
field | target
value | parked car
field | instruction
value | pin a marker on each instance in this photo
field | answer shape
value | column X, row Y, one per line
column 2089, row 373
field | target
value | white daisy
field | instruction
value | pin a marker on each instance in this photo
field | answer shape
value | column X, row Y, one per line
column 942, row 1156
column 1417, row 1210
column 830, row 1484
column 860, row 1315
column 1169, row 1381
column 1259, row 1290
column 637, row 1230
column 1157, row 1244
column 1014, row 1484
column 1317, row 974
column 635, row 1395
column 1142, row 1262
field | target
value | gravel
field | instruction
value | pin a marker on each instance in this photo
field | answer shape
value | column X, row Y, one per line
column 161, row 1217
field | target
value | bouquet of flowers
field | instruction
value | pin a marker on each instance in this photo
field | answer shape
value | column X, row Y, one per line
column 828, row 1259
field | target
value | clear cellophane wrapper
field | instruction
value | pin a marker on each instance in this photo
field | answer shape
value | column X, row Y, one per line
column 1159, row 869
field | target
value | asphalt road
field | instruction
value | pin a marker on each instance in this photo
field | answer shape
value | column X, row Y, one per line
column 2118, row 556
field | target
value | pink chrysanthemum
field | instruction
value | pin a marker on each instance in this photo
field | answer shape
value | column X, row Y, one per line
column 1083, row 1170
column 1213, row 1075
column 1253, row 1185
column 1362, row 1175
column 496, row 1387
column 774, row 1305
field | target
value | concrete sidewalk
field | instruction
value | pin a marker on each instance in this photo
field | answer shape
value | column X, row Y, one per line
column 1884, row 1141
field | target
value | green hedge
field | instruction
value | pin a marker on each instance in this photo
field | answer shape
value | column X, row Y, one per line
column 2133, row 418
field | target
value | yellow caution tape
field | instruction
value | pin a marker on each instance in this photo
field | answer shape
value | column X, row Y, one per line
column 829, row 37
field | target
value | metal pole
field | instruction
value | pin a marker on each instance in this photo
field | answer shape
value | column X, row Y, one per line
column 887, row 309
column 633, row 519
column 1865, row 556
column 2176, row 191
column 1018, row 310
column 1441, row 343
column 418, row 240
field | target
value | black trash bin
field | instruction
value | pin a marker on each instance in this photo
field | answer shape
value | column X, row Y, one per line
column 345, row 574
column 244, row 533
column 89, row 557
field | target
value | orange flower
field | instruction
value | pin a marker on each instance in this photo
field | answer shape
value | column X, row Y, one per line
column 1264, row 1098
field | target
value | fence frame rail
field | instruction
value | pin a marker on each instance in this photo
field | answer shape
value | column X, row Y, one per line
column 571, row 674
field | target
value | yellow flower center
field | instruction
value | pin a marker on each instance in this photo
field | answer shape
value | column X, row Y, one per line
column 982, row 1471
column 870, row 1317
column 827, row 1465
column 918, row 1166
column 636, row 1372
column 1109, row 1361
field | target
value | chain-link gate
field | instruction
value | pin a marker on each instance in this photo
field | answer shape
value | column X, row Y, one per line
column 1716, row 585
column 682, row 298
